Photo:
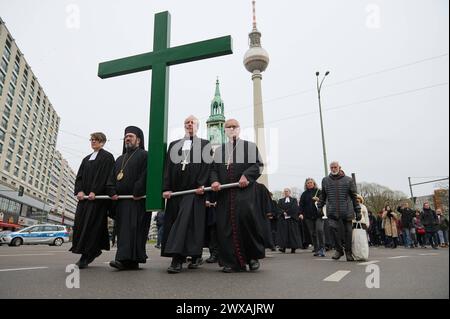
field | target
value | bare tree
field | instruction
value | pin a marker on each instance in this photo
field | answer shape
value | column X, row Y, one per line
column 277, row 195
column 295, row 192
column 377, row 196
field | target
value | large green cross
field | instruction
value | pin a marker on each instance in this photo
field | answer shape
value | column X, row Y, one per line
column 159, row 61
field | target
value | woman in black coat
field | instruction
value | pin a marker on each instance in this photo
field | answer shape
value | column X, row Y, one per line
column 310, row 215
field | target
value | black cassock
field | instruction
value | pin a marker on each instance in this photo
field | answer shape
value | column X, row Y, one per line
column 132, row 222
column 288, row 233
column 264, row 206
column 185, row 216
column 90, row 230
column 239, row 231
column 276, row 212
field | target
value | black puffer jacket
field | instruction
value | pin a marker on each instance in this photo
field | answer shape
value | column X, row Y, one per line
column 339, row 194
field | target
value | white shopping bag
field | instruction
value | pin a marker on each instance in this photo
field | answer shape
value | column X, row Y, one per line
column 360, row 244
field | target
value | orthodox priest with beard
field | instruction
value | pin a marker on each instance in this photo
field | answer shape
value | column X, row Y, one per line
column 239, row 230
column 188, row 163
column 132, row 222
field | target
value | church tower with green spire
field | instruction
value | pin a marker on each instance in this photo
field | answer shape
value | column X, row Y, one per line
column 216, row 121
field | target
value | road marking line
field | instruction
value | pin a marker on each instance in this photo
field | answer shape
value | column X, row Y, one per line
column 324, row 259
column 15, row 269
column 398, row 257
column 368, row 263
column 337, row 276
column 429, row 254
column 20, row 255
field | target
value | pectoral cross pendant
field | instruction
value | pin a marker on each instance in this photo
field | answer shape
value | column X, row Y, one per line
column 183, row 168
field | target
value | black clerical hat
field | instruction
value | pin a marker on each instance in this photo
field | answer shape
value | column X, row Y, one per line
column 136, row 131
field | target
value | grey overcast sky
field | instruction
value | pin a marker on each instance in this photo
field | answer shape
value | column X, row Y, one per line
column 385, row 102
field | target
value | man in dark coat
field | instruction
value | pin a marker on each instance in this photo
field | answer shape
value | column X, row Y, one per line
column 340, row 197
column 288, row 229
column 90, row 231
column 132, row 222
column 188, row 163
column 240, row 235
column 407, row 215
column 429, row 220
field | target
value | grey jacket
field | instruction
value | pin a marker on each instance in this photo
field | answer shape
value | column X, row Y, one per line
column 339, row 194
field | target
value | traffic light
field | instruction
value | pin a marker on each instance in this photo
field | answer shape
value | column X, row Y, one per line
column 21, row 189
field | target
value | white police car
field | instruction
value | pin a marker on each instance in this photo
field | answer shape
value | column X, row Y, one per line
column 37, row 234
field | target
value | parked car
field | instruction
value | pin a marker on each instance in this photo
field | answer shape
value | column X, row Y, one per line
column 37, row 234
column 3, row 234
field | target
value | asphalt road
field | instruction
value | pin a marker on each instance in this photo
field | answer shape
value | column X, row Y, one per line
column 40, row 272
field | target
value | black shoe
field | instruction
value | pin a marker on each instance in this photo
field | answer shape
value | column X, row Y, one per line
column 292, row 251
column 195, row 263
column 253, row 264
column 349, row 256
column 283, row 250
column 337, row 255
column 83, row 262
column 131, row 265
column 211, row 260
column 117, row 264
column 91, row 258
column 175, row 268
column 227, row 269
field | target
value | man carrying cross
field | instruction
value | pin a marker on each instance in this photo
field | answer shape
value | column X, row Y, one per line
column 159, row 61
column 239, row 231
column 187, row 166
column 132, row 222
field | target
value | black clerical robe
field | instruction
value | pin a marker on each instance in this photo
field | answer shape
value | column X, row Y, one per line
column 288, row 233
column 185, row 216
column 264, row 206
column 90, row 230
column 132, row 222
column 239, row 231
column 276, row 211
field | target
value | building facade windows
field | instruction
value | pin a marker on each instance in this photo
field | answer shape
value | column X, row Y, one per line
column 7, row 166
column 9, row 155
column 4, row 123
column 16, row 171
column 4, row 65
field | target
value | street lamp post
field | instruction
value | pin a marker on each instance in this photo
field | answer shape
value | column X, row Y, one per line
column 319, row 87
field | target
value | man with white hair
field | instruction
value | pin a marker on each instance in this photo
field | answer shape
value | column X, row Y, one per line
column 239, row 231
column 337, row 189
column 187, row 167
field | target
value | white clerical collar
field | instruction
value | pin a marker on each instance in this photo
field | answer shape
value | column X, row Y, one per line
column 287, row 200
column 93, row 156
column 187, row 145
